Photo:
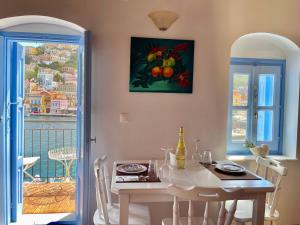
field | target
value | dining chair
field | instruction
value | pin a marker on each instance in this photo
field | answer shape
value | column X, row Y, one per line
column 273, row 171
column 204, row 195
column 108, row 212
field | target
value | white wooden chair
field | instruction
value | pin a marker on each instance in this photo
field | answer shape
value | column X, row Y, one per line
column 273, row 171
column 108, row 212
column 205, row 195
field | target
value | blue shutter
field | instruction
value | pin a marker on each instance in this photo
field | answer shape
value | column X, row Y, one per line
column 17, row 127
column 236, row 146
column 267, row 106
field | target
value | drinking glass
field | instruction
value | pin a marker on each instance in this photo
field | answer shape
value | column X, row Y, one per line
column 151, row 167
column 164, row 168
column 196, row 156
column 207, row 158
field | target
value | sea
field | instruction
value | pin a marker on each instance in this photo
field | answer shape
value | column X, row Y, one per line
column 43, row 133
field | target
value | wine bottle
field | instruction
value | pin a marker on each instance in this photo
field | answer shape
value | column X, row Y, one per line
column 180, row 151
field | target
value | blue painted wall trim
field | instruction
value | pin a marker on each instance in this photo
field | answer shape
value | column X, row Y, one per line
column 260, row 62
column 257, row 61
column 39, row 37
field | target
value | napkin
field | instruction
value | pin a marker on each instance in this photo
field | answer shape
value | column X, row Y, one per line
column 127, row 178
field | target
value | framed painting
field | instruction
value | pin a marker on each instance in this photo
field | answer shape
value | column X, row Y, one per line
column 161, row 65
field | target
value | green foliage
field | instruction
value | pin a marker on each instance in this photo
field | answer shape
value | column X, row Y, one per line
column 27, row 59
column 249, row 144
column 31, row 74
column 240, row 81
column 40, row 50
column 54, row 66
column 58, row 78
column 72, row 62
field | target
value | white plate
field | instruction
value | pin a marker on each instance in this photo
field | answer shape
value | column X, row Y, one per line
column 131, row 168
column 230, row 168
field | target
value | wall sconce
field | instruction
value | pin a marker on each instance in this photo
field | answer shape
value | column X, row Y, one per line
column 163, row 19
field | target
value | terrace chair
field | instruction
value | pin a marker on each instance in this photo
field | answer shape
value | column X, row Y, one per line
column 272, row 171
column 204, row 195
column 108, row 212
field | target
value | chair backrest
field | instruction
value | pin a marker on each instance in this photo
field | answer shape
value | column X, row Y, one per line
column 273, row 171
column 102, row 182
column 205, row 195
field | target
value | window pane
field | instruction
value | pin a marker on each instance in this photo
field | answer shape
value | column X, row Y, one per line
column 239, row 125
column 240, row 89
column 265, row 125
column 265, row 89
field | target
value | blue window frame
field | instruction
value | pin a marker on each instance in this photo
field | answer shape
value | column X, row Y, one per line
column 256, row 102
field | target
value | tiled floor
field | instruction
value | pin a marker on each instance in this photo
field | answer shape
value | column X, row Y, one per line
column 44, row 198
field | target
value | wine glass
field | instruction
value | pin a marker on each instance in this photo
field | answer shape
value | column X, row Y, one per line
column 207, row 158
column 196, row 156
column 164, row 168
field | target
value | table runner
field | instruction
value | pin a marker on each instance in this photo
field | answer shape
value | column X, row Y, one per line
column 142, row 177
column 246, row 176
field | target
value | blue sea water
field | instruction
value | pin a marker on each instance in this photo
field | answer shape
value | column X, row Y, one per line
column 44, row 133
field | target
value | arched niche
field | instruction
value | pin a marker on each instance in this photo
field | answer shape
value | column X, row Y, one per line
column 40, row 24
column 272, row 46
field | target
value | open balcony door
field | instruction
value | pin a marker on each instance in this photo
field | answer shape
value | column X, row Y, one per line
column 12, row 122
column 83, row 128
column 16, row 128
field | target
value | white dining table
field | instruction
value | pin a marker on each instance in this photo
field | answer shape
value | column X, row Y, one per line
column 193, row 174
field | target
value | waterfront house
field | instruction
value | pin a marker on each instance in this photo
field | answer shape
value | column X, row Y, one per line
column 58, row 105
column 69, row 69
column 34, row 99
column 45, row 75
column 69, row 78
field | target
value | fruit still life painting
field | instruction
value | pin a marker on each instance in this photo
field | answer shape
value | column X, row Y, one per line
column 161, row 65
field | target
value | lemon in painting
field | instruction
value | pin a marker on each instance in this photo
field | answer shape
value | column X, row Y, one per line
column 151, row 57
column 171, row 61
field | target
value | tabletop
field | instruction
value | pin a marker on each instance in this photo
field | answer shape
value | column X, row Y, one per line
column 30, row 160
column 66, row 153
column 192, row 175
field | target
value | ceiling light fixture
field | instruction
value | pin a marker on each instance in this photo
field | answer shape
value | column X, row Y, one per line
column 163, row 19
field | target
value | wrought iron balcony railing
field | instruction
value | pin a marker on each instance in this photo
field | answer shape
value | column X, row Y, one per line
column 37, row 143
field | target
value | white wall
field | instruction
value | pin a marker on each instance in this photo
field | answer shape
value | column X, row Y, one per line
column 155, row 118
column 42, row 28
column 291, row 105
column 256, row 48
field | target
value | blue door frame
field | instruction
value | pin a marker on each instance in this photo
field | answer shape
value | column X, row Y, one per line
column 83, row 112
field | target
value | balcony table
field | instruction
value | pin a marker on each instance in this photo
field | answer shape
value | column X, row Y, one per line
column 66, row 156
column 29, row 162
column 192, row 175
